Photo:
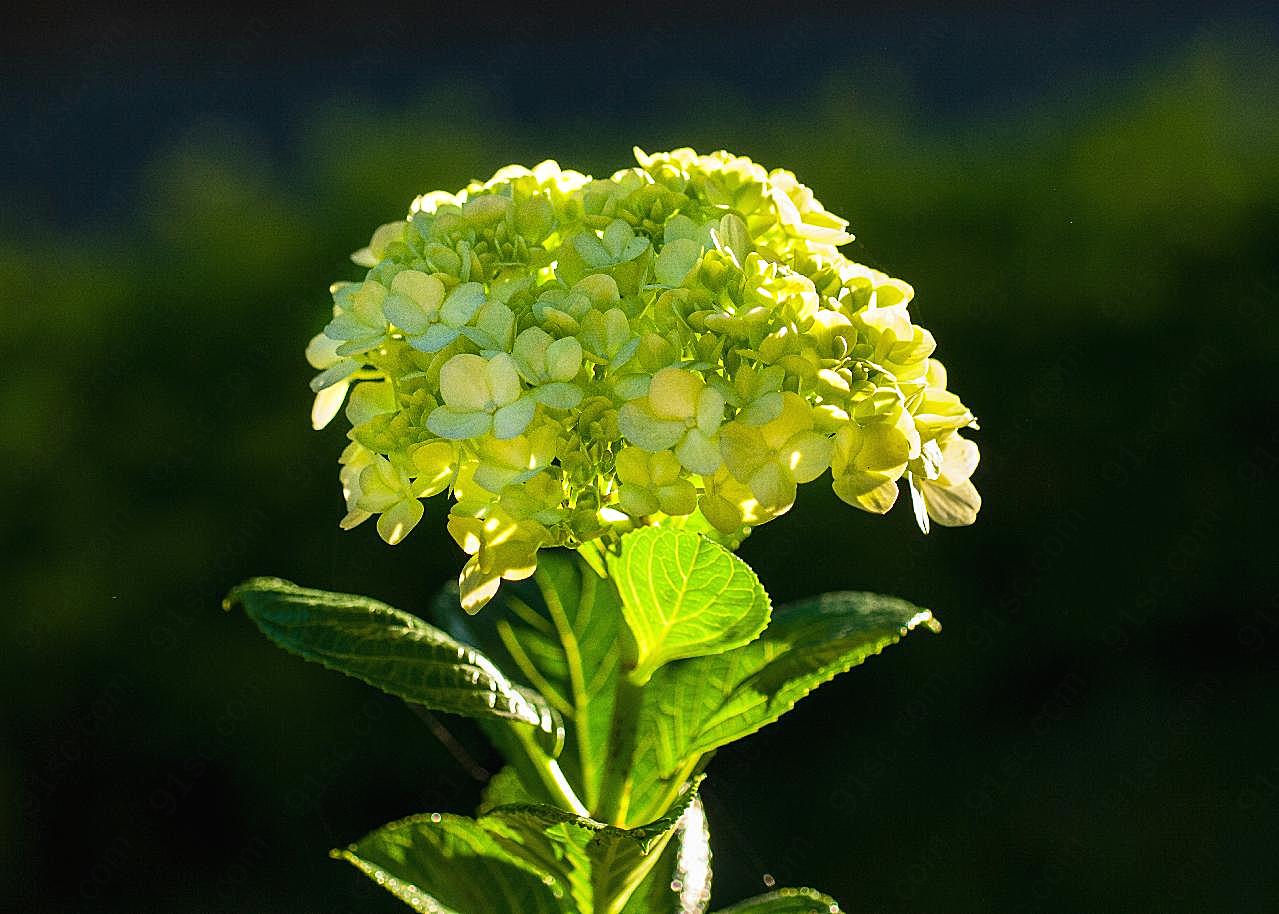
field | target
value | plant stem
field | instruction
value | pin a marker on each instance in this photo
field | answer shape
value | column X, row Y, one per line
column 581, row 699
column 615, row 790
column 549, row 771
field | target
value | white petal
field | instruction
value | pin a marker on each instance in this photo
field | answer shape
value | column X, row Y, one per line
column 327, row 403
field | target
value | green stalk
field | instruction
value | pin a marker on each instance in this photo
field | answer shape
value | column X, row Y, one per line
column 548, row 770
column 615, row 789
column 581, row 699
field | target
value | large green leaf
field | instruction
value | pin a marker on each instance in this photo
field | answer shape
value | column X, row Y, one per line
column 786, row 901
column 692, row 707
column 522, row 858
column 393, row 650
column 559, row 634
column 684, row 596
column 465, row 866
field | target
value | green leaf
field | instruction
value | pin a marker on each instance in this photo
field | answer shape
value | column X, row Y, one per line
column 693, row 707
column 601, row 834
column 559, row 637
column 465, row 866
column 520, row 858
column 503, row 789
column 685, row 596
column 786, row 901
column 680, row 881
column 615, row 858
column 392, row 650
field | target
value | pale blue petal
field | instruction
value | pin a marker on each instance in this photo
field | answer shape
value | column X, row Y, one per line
column 334, row 373
column 437, row 336
column 456, row 425
column 462, row 304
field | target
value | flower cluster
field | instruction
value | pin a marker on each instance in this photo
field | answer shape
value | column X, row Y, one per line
column 679, row 344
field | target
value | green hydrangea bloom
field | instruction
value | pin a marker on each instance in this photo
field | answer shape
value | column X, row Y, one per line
column 681, row 412
column 774, row 457
column 653, row 483
column 481, row 396
column 681, row 343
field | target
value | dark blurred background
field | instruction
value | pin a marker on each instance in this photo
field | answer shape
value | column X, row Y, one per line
column 1087, row 204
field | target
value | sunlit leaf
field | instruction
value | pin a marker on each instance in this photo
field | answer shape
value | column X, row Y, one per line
column 693, row 707
column 685, row 596
column 446, row 864
column 519, row 858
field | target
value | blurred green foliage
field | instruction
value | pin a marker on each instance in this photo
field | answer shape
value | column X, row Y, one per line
column 1099, row 268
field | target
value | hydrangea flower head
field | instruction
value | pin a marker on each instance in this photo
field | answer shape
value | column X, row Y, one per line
column 681, row 344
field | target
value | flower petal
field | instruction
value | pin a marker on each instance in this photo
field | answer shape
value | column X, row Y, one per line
column 435, row 462
column 503, row 379
column 676, row 261
column 462, row 304
column 369, row 399
column 464, row 382
column 435, row 338
column 558, row 395
column 641, row 428
column 327, row 404
column 405, row 313
column 959, row 459
column 397, row 522
column 513, row 419
column 698, row 453
column 673, row 394
column 774, row 486
column 321, row 352
column 678, row 499
column 563, row 359
column 476, row 586
column 878, row 499
column 337, row 371
column 807, row 455
column 743, row 449
column 455, row 424
column 951, row 506
column 638, row 501
column 632, row 466
column 917, row 503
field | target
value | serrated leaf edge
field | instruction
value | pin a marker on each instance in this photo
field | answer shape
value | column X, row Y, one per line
column 645, row 836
